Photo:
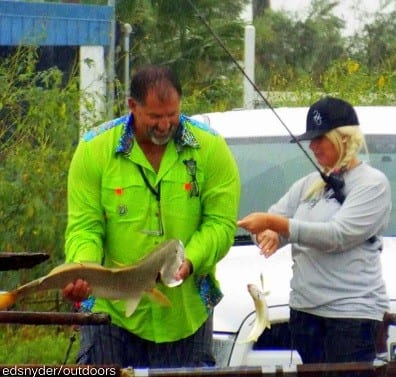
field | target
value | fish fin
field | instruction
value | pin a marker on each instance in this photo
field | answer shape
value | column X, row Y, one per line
column 73, row 266
column 119, row 264
column 7, row 299
column 56, row 269
column 158, row 296
column 131, row 305
column 155, row 294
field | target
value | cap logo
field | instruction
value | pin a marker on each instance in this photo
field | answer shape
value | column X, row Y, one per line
column 317, row 118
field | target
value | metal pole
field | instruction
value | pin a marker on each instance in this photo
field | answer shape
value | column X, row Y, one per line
column 308, row 370
column 248, row 90
column 127, row 30
column 110, row 64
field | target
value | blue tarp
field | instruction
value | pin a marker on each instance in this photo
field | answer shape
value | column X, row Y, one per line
column 54, row 24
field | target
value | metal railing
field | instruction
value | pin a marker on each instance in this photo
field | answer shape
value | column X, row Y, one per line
column 309, row 370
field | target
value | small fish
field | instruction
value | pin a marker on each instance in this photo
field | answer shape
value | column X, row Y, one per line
column 261, row 321
column 128, row 283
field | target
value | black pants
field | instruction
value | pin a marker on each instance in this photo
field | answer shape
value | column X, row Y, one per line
column 333, row 340
column 112, row 345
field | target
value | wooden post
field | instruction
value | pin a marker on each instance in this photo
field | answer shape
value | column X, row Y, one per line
column 53, row 318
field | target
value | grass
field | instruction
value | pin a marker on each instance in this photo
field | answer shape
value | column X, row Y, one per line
column 38, row 344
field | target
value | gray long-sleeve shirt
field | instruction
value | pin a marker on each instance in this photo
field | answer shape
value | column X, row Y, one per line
column 336, row 269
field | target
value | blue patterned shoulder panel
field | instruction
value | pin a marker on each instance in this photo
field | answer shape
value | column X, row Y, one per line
column 198, row 124
column 91, row 134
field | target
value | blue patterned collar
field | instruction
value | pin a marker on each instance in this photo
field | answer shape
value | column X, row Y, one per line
column 183, row 137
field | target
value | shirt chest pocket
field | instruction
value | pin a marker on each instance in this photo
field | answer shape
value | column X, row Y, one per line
column 182, row 196
column 124, row 199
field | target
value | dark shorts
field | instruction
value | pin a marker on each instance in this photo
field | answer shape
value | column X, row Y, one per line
column 333, row 340
column 112, row 345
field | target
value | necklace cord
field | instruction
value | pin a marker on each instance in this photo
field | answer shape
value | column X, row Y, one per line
column 156, row 193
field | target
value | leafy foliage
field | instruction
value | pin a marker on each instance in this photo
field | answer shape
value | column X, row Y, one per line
column 38, row 132
column 312, row 57
column 377, row 42
column 296, row 47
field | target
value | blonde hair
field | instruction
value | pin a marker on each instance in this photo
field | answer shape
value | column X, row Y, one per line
column 348, row 141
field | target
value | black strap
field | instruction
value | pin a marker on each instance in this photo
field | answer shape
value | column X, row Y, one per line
column 157, row 193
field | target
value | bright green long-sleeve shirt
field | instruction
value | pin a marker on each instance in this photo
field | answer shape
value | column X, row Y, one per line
column 113, row 217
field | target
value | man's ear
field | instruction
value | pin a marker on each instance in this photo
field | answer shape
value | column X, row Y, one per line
column 132, row 104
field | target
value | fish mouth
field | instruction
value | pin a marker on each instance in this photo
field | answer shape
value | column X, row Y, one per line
column 167, row 274
column 173, row 283
column 169, row 282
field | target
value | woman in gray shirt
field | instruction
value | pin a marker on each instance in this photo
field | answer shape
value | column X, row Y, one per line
column 338, row 295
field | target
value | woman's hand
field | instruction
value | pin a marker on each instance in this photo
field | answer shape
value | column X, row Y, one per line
column 257, row 222
column 268, row 241
column 254, row 222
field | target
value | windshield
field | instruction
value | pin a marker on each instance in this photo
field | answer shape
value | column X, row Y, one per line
column 270, row 165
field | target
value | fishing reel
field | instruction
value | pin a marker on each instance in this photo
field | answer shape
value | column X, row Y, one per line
column 336, row 182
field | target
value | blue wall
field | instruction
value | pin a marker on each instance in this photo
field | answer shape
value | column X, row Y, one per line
column 54, row 24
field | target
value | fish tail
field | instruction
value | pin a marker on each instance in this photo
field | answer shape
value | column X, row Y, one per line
column 158, row 296
column 7, row 299
column 255, row 332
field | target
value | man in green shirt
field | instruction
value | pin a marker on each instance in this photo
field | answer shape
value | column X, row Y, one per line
column 134, row 182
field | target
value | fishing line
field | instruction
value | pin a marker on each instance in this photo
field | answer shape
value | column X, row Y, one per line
column 334, row 181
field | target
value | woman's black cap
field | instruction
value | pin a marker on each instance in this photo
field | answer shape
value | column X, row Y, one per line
column 326, row 114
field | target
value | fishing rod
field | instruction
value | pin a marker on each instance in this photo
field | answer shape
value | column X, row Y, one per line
column 335, row 181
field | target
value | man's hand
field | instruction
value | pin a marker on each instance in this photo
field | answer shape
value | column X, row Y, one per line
column 185, row 270
column 77, row 291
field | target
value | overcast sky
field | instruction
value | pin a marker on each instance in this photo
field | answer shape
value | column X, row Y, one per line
column 352, row 11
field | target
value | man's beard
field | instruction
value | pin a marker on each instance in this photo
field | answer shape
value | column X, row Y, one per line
column 163, row 139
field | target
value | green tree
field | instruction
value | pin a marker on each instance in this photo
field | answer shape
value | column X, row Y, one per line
column 291, row 48
column 377, row 42
column 260, row 6
column 170, row 32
